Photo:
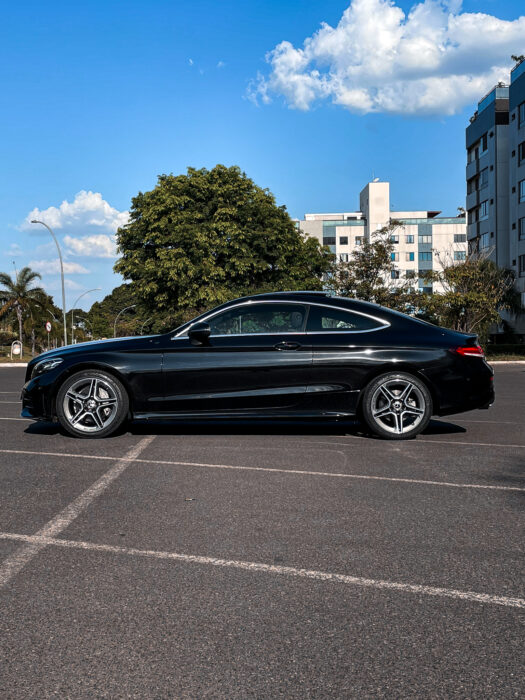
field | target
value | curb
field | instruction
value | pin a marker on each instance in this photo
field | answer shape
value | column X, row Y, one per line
column 506, row 362
column 13, row 364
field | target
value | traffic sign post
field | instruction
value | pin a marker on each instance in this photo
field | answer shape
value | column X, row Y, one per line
column 48, row 329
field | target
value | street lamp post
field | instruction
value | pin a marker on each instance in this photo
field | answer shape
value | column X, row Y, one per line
column 35, row 221
column 146, row 321
column 117, row 316
column 97, row 289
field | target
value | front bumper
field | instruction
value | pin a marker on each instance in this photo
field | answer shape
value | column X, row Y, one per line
column 36, row 401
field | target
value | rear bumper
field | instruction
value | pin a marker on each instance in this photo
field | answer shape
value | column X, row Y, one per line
column 476, row 389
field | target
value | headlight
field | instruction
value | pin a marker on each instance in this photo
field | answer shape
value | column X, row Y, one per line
column 45, row 366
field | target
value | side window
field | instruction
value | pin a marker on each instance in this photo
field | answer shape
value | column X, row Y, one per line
column 259, row 318
column 323, row 319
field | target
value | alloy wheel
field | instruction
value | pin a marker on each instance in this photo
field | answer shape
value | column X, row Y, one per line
column 90, row 404
column 398, row 406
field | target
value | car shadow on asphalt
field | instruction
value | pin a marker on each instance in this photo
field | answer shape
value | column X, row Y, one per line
column 252, row 427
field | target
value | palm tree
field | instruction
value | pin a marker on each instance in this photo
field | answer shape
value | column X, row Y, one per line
column 19, row 295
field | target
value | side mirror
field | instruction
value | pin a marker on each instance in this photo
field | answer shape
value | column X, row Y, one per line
column 199, row 333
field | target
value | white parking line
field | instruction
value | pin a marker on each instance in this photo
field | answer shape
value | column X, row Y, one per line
column 423, row 441
column 470, row 596
column 26, row 419
column 300, row 472
column 16, row 561
column 10, row 401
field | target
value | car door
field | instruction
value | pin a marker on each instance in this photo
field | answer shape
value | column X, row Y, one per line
column 257, row 358
column 345, row 344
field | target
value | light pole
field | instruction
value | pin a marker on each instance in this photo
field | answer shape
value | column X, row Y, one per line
column 116, row 318
column 146, row 321
column 35, row 221
column 97, row 289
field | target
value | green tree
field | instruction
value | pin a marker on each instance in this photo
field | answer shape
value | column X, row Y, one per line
column 369, row 274
column 200, row 239
column 100, row 319
column 475, row 291
column 21, row 296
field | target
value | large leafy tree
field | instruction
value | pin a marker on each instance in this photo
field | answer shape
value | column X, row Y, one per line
column 474, row 293
column 19, row 294
column 368, row 273
column 103, row 313
column 200, row 239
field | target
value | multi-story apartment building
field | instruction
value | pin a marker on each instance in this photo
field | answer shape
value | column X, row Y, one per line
column 423, row 241
column 495, row 141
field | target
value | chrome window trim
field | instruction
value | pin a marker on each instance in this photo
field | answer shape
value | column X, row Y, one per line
column 385, row 324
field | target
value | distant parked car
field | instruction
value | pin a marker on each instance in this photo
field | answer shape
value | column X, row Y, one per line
column 280, row 355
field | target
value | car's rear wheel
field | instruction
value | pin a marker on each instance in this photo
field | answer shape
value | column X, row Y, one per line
column 397, row 406
column 92, row 404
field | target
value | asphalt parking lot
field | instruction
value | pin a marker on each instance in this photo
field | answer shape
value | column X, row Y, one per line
column 264, row 561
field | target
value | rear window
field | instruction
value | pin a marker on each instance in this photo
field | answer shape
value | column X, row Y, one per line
column 323, row 319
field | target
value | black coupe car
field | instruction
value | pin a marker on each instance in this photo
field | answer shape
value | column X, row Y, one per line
column 280, row 355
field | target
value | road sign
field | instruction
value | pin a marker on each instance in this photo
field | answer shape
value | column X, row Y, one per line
column 48, row 326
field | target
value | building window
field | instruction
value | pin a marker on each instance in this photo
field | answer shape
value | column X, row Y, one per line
column 328, row 240
column 473, row 153
column 409, row 239
column 473, row 215
column 394, row 239
column 343, row 257
column 521, row 115
column 410, row 257
column 484, row 143
column 460, row 255
column 394, row 274
column 484, row 240
column 484, row 210
column 394, row 257
column 425, row 239
column 410, row 274
column 483, row 178
column 522, row 229
column 521, row 261
column 521, row 153
column 343, row 240
column 359, row 240
column 425, row 256
column 472, row 185
column 426, row 290
column 460, row 238
column 522, row 191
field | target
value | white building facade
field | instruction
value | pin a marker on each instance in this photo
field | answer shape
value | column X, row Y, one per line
column 424, row 241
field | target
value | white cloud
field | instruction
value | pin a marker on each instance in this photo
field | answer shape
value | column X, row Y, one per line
column 88, row 209
column 14, row 251
column 52, row 267
column 435, row 60
column 96, row 246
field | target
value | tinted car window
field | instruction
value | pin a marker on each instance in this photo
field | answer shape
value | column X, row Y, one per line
column 323, row 319
column 260, row 318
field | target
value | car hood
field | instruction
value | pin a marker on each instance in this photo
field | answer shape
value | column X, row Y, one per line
column 95, row 345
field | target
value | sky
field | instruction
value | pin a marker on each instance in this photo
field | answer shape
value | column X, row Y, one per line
column 311, row 99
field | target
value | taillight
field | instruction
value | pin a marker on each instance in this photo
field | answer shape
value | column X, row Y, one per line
column 469, row 351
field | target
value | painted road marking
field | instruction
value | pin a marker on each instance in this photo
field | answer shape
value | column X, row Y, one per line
column 27, row 419
column 16, row 561
column 424, row 441
column 470, row 596
column 303, row 472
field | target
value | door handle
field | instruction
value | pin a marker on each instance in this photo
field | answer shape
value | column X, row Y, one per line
column 287, row 345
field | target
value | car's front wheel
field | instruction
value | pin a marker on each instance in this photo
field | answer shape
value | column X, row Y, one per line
column 91, row 404
column 396, row 406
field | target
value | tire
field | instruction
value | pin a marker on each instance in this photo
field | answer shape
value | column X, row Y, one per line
column 92, row 404
column 396, row 406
